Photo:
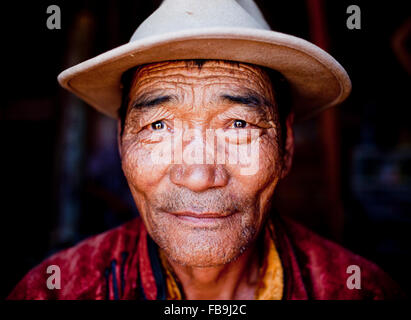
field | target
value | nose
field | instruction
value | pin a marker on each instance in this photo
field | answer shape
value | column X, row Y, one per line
column 199, row 177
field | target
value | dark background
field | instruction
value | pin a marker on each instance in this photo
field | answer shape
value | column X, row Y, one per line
column 60, row 171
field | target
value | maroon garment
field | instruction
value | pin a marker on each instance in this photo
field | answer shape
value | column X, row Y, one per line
column 118, row 264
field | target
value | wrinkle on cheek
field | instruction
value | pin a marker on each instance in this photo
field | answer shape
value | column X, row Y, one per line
column 267, row 177
column 271, row 156
column 139, row 169
column 269, row 165
column 142, row 203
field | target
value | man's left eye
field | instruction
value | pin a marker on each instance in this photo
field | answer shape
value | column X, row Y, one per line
column 239, row 124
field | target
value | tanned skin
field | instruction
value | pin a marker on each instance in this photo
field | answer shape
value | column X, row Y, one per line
column 205, row 217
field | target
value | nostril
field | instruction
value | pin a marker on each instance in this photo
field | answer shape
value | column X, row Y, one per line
column 220, row 177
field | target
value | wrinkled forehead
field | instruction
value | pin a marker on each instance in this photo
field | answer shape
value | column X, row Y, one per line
column 201, row 73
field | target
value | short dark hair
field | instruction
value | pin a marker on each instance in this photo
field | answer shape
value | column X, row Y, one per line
column 280, row 86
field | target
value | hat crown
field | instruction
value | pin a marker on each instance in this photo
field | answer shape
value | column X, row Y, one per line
column 180, row 15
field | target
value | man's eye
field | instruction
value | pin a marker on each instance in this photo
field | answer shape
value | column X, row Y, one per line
column 239, row 124
column 158, row 125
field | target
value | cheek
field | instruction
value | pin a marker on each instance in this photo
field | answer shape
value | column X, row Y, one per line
column 141, row 166
column 261, row 166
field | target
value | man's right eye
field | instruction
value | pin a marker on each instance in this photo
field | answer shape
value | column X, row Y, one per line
column 158, row 125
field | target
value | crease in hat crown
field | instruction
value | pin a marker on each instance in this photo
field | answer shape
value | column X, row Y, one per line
column 212, row 29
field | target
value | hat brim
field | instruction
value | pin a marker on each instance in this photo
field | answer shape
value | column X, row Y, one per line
column 317, row 80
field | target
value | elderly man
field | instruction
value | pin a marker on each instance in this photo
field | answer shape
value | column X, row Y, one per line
column 206, row 95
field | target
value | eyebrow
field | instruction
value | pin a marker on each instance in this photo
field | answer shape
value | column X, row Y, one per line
column 250, row 99
column 148, row 101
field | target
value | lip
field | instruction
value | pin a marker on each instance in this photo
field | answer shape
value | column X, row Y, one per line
column 203, row 218
column 202, row 215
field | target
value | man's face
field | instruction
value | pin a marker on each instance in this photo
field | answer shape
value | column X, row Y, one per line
column 201, row 209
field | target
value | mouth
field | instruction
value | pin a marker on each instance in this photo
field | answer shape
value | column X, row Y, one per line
column 201, row 218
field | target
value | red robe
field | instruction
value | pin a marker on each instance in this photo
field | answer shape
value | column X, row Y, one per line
column 123, row 263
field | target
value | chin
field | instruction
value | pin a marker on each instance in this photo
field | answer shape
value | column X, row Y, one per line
column 206, row 248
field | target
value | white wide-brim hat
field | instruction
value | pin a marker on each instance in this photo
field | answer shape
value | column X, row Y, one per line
column 233, row 30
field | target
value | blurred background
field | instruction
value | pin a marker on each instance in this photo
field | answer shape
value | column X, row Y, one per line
column 60, row 170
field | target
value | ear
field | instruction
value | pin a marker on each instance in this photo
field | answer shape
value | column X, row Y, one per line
column 289, row 146
column 119, row 136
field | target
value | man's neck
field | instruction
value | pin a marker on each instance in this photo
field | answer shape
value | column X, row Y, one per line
column 233, row 281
